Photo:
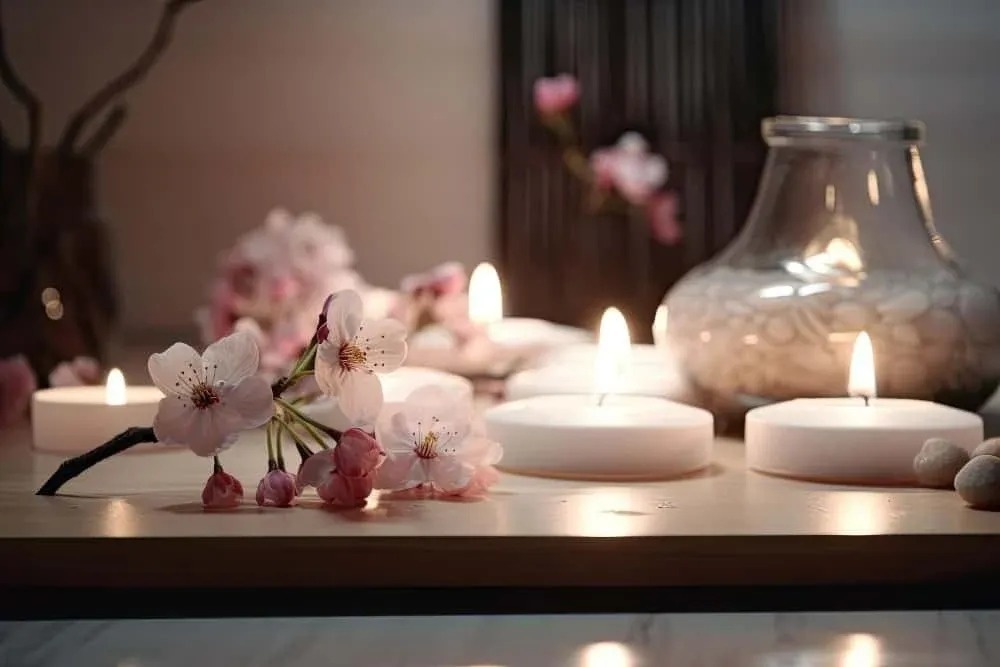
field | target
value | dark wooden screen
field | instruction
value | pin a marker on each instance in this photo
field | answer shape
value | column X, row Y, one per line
column 695, row 77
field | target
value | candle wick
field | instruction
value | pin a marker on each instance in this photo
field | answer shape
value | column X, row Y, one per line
column 600, row 399
column 867, row 399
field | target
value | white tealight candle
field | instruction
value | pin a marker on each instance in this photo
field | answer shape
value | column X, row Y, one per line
column 77, row 419
column 506, row 341
column 603, row 435
column 861, row 440
column 396, row 387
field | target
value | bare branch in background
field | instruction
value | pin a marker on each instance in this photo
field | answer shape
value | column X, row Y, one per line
column 22, row 94
column 128, row 78
column 105, row 131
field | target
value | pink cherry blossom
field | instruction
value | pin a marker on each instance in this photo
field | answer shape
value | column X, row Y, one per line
column 447, row 278
column 79, row 371
column 17, row 384
column 661, row 211
column 277, row 489
column 431, row 441
column 210, row 399
column 556, row 94
column 630, row 168
column 350, row 353
column 222, row 491
column 343, row 475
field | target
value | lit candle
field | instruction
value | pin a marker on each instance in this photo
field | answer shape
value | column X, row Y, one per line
column 76, row 419
column 505, row 342
column 602, row 434
column 860, row 439
column 646, row 370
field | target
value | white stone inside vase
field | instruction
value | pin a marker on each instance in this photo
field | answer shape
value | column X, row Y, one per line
column 773, row 334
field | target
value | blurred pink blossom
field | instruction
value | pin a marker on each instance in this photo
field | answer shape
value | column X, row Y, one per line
column 222, row 491
column 556, row 94
column 17, row 384
column 80, row 371
column 630, row 168
column 661, row 212
column 447, row 278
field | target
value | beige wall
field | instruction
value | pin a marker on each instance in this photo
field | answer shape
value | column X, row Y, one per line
column 378, row 114
column 938, row 61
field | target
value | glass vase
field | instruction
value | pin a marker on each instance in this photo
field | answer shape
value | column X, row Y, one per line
column 840, row 240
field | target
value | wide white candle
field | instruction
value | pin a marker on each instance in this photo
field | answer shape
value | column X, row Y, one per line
column 505, row 343
column 77, row 419
column 396, row 387
column 859, row 439
column 602, row 435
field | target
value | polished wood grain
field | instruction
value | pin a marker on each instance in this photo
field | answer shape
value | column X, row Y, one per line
column 136, row 521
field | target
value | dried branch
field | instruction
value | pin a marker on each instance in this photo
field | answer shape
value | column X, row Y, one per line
column 128, row 78
column 22, row 94
column 70, row 468
column 103, row 134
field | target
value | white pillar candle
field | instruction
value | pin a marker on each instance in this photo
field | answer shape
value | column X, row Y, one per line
column 860, row 439
column 77, row 419
column 602, row 436
column 396, row 387
column 505, row 342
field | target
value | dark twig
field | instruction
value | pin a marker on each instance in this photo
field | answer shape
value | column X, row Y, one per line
column 128, row 78
column 103, row 134
column 116, row 445
column 19, row 89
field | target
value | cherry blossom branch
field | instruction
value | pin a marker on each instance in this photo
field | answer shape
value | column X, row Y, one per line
column 19, row 89
column 75, row 466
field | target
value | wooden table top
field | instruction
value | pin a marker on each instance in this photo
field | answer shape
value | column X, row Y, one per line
column 136, row 521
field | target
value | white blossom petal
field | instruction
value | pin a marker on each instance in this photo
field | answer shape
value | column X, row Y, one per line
column 252, row 401
column 232, row 358
column 328, row 373
column 360, row 396
column 165, row 368
column 449, row 474
column 431, row 406
column 480, row 451
column 400, row 470
column 317, row 469
column 177, row 421
column 384, row 344
column 343, row 316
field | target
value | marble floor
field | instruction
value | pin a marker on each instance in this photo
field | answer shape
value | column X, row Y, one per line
column 856, row 639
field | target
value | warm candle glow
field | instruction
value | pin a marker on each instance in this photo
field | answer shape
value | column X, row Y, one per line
column 614, row 347
column 861, row 380
column 660, row 327
column 114, row 390
column 485, row 295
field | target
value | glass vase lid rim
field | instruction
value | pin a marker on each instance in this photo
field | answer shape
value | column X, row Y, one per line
column 836, row 127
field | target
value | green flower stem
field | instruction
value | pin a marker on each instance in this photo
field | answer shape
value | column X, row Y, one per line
column 291, row 409
column 303, row 450
column 279, row 449
column 271, row 463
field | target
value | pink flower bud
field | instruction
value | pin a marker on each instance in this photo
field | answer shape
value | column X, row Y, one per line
column 346, row 491
column 357, row 454
column 557, row 94
column 222, row 491
column 277, row 489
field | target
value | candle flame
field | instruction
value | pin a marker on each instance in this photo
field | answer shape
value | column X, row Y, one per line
column 614, row 347
column 485, row 295
column 114, row 389
column 861, row 380
column 660, row 326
